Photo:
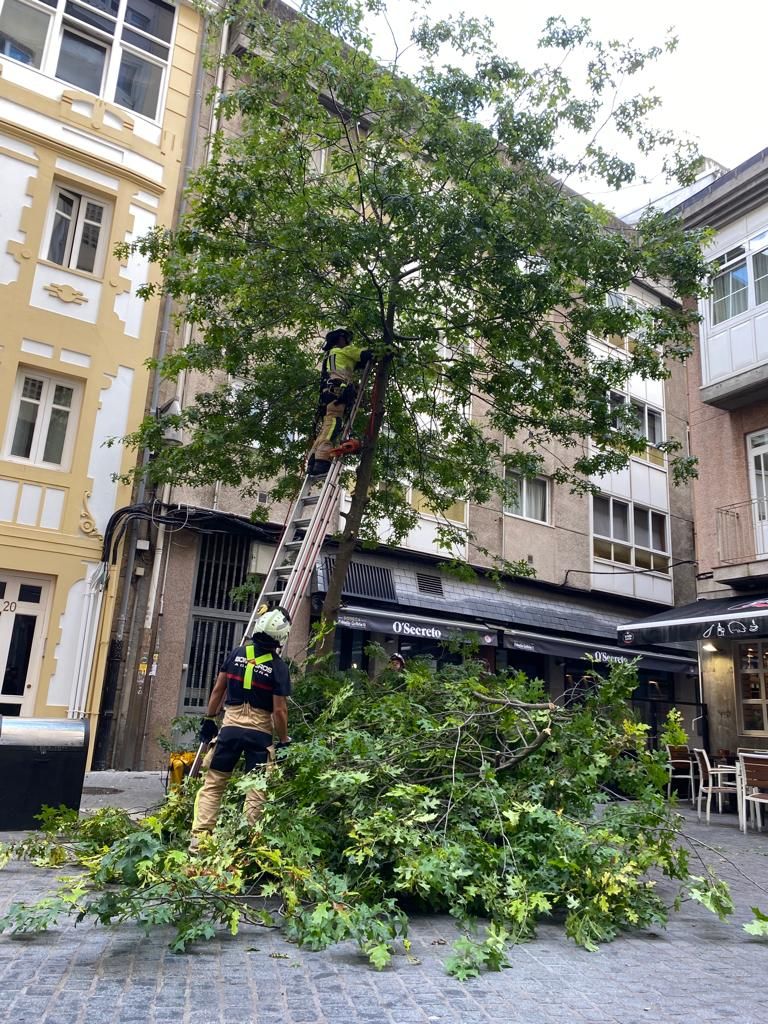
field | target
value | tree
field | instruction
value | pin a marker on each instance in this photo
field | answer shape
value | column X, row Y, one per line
column 430, row 215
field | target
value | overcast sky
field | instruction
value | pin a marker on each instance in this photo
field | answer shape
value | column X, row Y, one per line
column 713, row 87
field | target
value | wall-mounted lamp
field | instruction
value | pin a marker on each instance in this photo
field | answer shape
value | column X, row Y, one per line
column 708, row 646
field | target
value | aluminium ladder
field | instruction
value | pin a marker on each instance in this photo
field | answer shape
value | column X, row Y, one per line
column 309, row 518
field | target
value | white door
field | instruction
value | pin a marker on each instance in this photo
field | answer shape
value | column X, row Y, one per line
column 758, row 479
column 23, row 608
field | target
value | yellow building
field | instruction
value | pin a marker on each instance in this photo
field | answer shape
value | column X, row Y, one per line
column 95, row 102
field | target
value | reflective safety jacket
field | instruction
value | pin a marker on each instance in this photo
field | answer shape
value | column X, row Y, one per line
column 255, row 674
column 345, row 362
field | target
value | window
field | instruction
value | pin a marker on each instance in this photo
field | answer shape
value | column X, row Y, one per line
column 649, row 426
column 630, row 534
column 79, row 231
column 752, row 687
column 455, row 513
column 741, row 279
column 530, row 500
column 43, row 420
column 118, row 49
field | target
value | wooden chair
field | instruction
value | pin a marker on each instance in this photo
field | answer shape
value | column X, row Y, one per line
column 680, row 766
column 710, row 782
column 754, row 788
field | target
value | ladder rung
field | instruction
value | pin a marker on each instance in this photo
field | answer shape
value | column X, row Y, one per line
column 292, row 545
column 273, row 595
column 301, row 524
column 284, row 570
column 310, row 499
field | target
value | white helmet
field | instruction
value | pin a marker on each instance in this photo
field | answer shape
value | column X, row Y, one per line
column 276, row 623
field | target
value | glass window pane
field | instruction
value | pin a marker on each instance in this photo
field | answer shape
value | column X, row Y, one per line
column 602, row 548
column 88, row 17
column 750, row 686
column 19, row 650
column 602, row 516
column 659, row 531
column 88, row 247
column 536, row 500
column 643, row 559
column 620, row 520
column 150, row 45
column 108, row 6
column 760, row 265
column 151, row 16
column 21, row 446
column 654, row 426
column 63, row 396
column 94, row 212
column 22, row 32
column 642, row 530
column 622, row 553
column 57, row 432
column 59, row 244
column 138, row 85
column 29, row 593
column 32, row 388
column 81, row 62
column 753, row 718
column 515, row 500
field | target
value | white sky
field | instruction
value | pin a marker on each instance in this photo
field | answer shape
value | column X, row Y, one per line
column 713, row 86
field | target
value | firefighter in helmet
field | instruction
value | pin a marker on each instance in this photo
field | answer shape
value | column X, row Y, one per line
column 340, row 374
column 254, row 684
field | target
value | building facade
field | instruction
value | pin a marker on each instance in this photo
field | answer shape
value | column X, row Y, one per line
column 728, row 397
column 599, row 561
column 94, row 108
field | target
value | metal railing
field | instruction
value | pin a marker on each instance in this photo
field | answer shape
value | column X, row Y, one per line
column 742, row 531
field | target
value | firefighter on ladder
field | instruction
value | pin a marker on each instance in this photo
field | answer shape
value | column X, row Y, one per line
column 256, row 683
column 340, row 374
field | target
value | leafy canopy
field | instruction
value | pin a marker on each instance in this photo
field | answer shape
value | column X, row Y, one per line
column 428, row 213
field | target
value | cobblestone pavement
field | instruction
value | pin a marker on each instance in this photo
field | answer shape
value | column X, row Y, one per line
column 698, row 970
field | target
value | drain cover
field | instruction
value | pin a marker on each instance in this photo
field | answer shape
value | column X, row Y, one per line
column 99, row 790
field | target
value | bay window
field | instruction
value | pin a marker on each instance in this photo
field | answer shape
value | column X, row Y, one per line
column 630, row 534
column 741, row 279
column 118, row 49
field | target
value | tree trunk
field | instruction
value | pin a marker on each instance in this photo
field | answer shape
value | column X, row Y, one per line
column 357, row 507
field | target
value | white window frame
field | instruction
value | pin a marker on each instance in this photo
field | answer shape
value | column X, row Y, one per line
column 630, row 543
column 759, row 670
column 522, row 483
column 114, row 45
column 652, row 453
column 74, row 236
column 728, row 261
column 43, row 420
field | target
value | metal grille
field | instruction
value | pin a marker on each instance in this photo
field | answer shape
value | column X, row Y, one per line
column 212, row 640
column 428, row 584
column 224, row 560
column 365, row 580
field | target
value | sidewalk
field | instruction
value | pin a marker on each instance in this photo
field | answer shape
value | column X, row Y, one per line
column 698, row 971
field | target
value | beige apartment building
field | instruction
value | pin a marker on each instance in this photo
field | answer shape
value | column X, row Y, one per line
column 728, row 396
column 599, row 562
column 94, row 106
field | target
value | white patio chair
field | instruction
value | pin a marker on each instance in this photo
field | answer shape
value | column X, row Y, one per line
column 711, row 782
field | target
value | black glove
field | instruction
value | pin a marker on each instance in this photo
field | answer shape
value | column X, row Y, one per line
column 208, row 730
column 280, row 748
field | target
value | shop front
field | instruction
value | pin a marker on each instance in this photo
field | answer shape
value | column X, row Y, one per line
column 439, row 641
column 731, row 635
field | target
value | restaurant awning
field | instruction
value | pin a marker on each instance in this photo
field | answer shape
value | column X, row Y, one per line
column 724, row 618
column 414, row 626
column 535, row 643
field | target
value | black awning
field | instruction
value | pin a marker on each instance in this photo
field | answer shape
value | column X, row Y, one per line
column 605, row 654
column 724, row 618
column 420, row 627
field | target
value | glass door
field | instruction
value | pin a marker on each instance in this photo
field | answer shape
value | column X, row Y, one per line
column 23, row 603
column 758, row 479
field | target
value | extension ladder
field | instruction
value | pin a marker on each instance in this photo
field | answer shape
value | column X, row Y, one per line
column 309, row 519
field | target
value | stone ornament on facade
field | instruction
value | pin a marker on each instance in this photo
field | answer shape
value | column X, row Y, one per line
column 66, row 293
column 87, row 522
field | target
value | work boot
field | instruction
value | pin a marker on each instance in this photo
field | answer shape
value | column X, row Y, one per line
column 319, row 467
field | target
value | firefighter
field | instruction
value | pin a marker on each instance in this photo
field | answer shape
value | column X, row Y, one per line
column 256, row 683
column 338, row 387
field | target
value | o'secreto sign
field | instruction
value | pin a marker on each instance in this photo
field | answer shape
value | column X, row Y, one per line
column 407, row 629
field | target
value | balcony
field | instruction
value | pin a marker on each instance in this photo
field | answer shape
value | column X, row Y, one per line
column 742, row 543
